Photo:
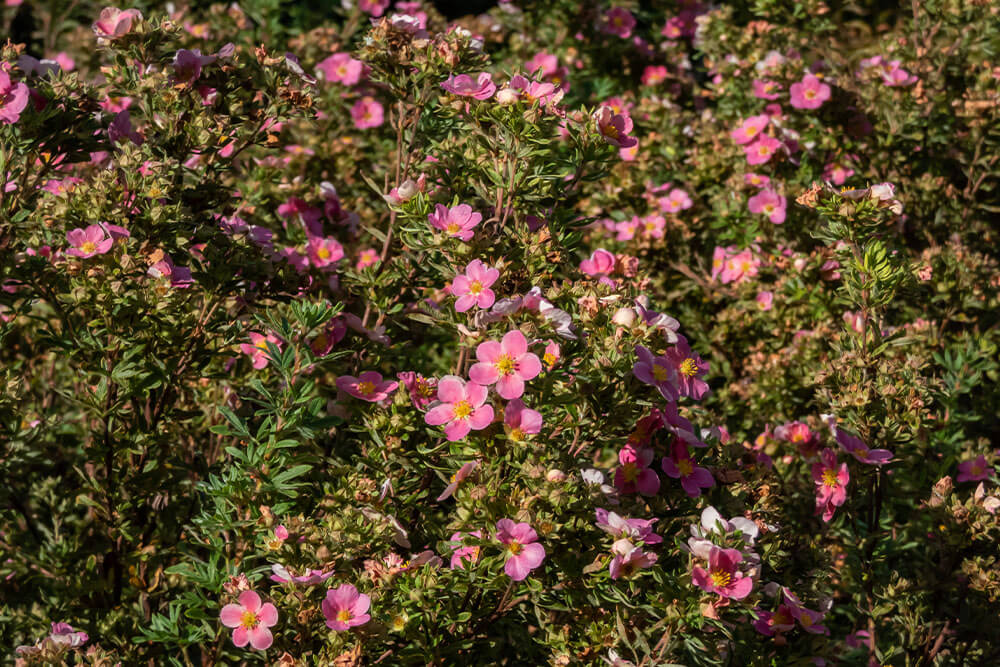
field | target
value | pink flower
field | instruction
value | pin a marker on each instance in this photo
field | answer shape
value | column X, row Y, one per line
column 632, row 529
column 473, row 288
column 680, row 465
column 282, row 575
column 765, row 89
column 551, row 355
column 629, row 559
column 92, row 240
column 524, row 553
column 723, row 577
column 367, row 257
column 618, row 21
column 257, row 348
column 756, row 180
column 770, row 203
column 769, row 623
column 341, row 68
column 463, row 85
column 660, row 372
column 800, row 435
column 457, row 479
column 750, row 129
column 13, row 99
column 367, row 113
column 765, row 300
column 460, row 407
column 345, row 608
column 374, row 7
column 614, row 127
column 324, row 252
column 762, row 150
column 831, row 483
column 739, row 268
column 677, row 200
column 369, row 386
column 654, row 75
column 859, row 450
column 250, row 621
column 520, row 420
column 507, row 363
column 421, row 390
column 601, row 264
column 653, row 226
column 187, row 65
column 633, row 474
column 690, row 368
column 974, row 471
column 464, row 553
column 457, row 221
column 894, row 75
column 810, row 93
column 113, row 23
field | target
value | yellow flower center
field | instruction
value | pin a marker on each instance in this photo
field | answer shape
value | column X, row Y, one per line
column 805, row 620
column 323, row 253
column 504, row 364
column 750, row 131
column 453, row 228
column 88, row 246
column 344, row 615
column 830, row 477
column 462, row 409
column 721, row 579
column 768, row 208
column 248, row 620
column 685, row 467
column 610, row 131
column 514, row 548
column 763, row 150
column 424, row 388
column 516, row 434
column 975, row 470
column 549, row 359
column 629, row 472
column 810, row 94
column 262, row 344
column 689, row 367
column 660, row 373
column 366, row 387
column 476, row 287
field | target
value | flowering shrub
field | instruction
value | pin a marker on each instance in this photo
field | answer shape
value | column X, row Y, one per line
column 373, row 337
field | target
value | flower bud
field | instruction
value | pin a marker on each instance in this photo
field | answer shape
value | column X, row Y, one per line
column 508, row 96
column 624, row 317
column 555, row 476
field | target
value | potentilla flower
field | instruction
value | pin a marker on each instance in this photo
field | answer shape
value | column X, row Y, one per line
column 975, row 470
column 771, row 623
column 723, row 577
column 88, row 242
column 461, row 408
column 367, row 113
column 893, row 75
column 618, row 21
column 463, row 85
column 690, row 368
column 680, row 465
column 713, row 523
column 374, row 7
column 282, row 575
column 659, row 371
column 614, row 127
column 422, row 390
column 810, row 93
column 762, row 150
column 367, row 257
column 369, row 386
column 859, row 450
column 457, row 479
column 756, row 180
column 799, row 434
column 552, row 354
column 250, row 621
column 629, row 559
column 457, row 221
column 464, row 553
column 770, row 203
column 520, row 420
column 633, row 474
column 257, row 348
column 626, row 229
column 524, row 553
column 765, row 89
column 341, row 68
column 765, row 300
column 13, row 99
column 473, row 288
column 831, row 481
column 114, row 23
column 677, row 200
column 750, row 129
column 324, row 252
column 653, row 226
column 622, row 527
column 345, row 608
column 187, row 65
column 739, row 267
column 508, row 364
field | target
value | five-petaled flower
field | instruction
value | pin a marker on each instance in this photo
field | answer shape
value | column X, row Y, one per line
column 723, row 576
column 460, row 407
column 250, row 621
column 508, row 364
column 345, row 608
column 369, row 386
column 524, row 553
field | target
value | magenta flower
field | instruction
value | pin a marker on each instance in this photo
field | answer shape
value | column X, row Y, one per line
column 621, row 527
column 461, row 408
column 614, row 127
column 369, row 386
column 422, row 390
column 600, row 264
column 677, row 200
column 765, row 89
column 113, row 22
column 762, row 150
column 633, row 474
column 661, row 372
column 974, row 471
column 367, row 113
column 13, row 99
column 341, row 68
column 618, row 21
column 859, row 450
column 831, row 483
column 680, row 465
column 257, row 348
column 345, row 608
column 457, row 479
column 750, row 129
column 629, row 559
column 690, row 368
column 457, row 221
column 473, row 288
column 520, row 420
column 771, row 623
column 810, row 93
column 507, row 363
column 723, row 577
column 770, row 203
column 88, row 242
column 756, row 180
column 187, row 65
column 480, row 88
column 524, row 553
column 464, row 553
column 250, row 621
column 323, row 252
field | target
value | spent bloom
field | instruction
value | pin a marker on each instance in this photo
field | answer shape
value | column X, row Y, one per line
column 723, row 576
column 87, row 242
column 463, row 85
column 461, row 408
column 508, row 364
column 369, row 386
column 345, row 608
column 770, row 203
column 422, row 390
column 524, row 553
column 473, row 288
column 831, row 481
column 457, row 221
column 250, row 621
column 810, row 93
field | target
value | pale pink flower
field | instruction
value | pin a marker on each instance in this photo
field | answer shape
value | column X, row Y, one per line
column 810, row 93
column 770, row 203
column 473, row 288
column 367, row 113
column 250, row 621
column 975, row 470
column 750, row 129
column 677, row 200
column 345, row 608
column 283, row 575
column 520, row 420
column 739, row 267
column 367, row 257
column 723, row 577
column 507, row 363
column 756, row 180
column 614, row 127
column 464, row 553
column 653, row 226
column 762, row 150
column 463, row 85
column 457, row 221
column 13, row 99
column 461, row 408
column 765, row 300
column 626, row 230
column 341, row 68
column 524, row 553
column 618, row 21
column 369, row 386
column 457, row 479
column 114, row 23
column 831, row 481
column 88, row 242
column 257, row 348
column 765, row 89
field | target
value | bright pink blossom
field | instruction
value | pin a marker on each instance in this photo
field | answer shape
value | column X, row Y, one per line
column 765, row 300
column 250, row 621
column 283, row 575
column 324, row 252
column 600, row 264
column 345, row 608
column 369, row 386
column 457, row 221
column 374, row 7
column 831, row 481
column 257, row 348
column 507, row 363
column 341, row 68
column 750, row 129
column 88, row 242
column 765, row 89
column 756, row 180
column 634, row 474
column 524, row 553
column 614, row 127
column 463, row 85
column 473, row 288
column 677, row 200
column 520, row 420
column 762, row 150
column 680, row 465
column 367, row 113
column 770, row 203
column 810, row 93
column 723, row 576
column 13, row 99
column 461, row 408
